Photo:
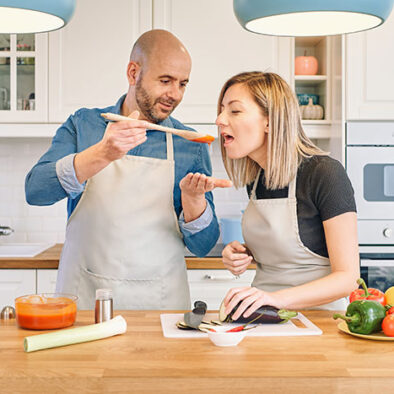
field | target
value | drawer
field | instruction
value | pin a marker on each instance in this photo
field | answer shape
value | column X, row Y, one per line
column 15, row 283
column 211, row 286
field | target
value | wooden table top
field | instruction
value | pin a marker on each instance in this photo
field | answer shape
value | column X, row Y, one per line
column 50, row 259
column 142, row 361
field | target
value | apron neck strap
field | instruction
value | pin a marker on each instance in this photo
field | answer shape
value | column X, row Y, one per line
column 292, row 188
column 256, row 181
column 170, row 150
column 291, row 192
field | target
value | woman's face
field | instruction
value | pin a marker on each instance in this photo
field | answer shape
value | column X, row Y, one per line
column 242, row 125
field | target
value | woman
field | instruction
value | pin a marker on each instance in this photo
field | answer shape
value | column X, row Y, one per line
column 300, row 225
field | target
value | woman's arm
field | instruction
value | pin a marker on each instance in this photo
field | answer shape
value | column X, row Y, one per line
column 342, row 245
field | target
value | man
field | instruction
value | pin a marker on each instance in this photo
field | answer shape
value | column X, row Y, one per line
column 127, row 187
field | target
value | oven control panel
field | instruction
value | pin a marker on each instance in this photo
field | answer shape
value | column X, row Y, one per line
column 375, row 232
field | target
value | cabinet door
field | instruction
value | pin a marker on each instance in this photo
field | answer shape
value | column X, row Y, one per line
column 46, row 280
column 88, row 58
column 220, row 48
column 15, row 283
column 369, row 73
column 211, row 286
column 23, row 78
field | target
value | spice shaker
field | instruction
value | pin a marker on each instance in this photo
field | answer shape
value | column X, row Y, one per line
column 104, row 305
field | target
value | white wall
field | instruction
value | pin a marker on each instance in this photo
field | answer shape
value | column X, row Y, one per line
column 31, row 223
column 47, row 224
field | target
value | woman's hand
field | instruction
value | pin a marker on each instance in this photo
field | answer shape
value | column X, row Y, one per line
column 193, row 188
column 236, row 257
column 252, row 299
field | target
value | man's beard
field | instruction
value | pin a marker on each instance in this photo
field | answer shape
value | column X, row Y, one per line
column 146, row 103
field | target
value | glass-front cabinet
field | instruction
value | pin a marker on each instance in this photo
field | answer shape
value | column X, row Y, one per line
column 23, row 78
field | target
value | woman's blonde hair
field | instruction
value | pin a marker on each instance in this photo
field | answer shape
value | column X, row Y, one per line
column 287, row 142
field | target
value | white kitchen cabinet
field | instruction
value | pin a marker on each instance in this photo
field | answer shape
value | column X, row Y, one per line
column 46, row 280
column 15, row 283
column 88, row 58
column 23, row 78
column 369, row 73
column 220, row 48
column 211, row 286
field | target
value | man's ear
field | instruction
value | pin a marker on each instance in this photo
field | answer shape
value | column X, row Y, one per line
column 133, row 70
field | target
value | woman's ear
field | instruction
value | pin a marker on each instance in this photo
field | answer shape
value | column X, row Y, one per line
column 133, row 70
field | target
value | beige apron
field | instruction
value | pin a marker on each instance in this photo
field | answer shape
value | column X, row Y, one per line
column 124, row 235
column 270, row 231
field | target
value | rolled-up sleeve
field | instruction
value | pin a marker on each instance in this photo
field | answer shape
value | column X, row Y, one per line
column 198, row 224
column 66, row 173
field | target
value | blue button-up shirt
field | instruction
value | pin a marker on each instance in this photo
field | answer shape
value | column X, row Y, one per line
column 53, row 177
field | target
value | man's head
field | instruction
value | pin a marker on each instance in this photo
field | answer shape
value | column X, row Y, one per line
column 158, row 72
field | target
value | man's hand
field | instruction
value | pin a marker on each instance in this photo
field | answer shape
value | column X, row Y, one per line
column 193, row 188
column 118, row 139
column 122, row 136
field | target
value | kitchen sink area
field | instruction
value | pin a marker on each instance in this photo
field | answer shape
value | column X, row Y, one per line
column 22, row 249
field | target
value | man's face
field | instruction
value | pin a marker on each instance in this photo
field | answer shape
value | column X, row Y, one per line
column 161, row 84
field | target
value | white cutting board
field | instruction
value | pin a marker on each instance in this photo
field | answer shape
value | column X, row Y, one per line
column 170, row 330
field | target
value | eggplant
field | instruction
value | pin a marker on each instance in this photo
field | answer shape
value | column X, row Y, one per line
column 266, row 314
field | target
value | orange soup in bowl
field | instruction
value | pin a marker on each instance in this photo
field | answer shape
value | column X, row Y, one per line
column 46, row 311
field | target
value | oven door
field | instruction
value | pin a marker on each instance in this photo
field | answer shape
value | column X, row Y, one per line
column 378, row 274
column 371, row 171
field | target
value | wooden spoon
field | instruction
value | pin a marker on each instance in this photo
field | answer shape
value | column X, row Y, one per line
column 187, row 134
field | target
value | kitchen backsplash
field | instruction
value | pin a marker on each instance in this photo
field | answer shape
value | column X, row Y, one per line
column 47, row 224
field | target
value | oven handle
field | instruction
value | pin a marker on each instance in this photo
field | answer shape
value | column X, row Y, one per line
column 376, row 263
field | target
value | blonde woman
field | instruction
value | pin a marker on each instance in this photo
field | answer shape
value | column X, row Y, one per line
column 300, row 224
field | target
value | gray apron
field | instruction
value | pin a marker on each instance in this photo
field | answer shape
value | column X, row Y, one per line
column 270, row 231
column 124, row 235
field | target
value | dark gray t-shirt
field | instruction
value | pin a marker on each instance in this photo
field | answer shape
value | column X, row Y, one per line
column 323, row 191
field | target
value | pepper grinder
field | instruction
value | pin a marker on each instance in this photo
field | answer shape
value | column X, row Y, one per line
column 104, row 305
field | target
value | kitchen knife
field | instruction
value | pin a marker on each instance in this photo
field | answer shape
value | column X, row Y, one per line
column 195, row 317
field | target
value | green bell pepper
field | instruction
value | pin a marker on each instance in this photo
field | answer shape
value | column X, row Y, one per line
column 363, row 316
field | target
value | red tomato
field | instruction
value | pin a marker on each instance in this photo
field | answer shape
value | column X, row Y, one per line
column 390, row 311
column 388, row 325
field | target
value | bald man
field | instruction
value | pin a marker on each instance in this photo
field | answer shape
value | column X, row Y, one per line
column 135, row 196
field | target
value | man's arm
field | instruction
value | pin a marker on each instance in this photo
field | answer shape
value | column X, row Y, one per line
column 42, row 185
column 200, row 226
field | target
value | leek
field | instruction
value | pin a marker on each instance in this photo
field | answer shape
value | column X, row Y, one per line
column 112, row 327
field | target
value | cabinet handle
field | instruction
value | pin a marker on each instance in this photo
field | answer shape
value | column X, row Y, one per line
column 221, row 278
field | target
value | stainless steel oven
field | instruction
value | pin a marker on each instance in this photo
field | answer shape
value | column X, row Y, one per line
column 370, row 166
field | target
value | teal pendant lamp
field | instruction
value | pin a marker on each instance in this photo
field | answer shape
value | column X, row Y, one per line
column 311, row 17
column 34, row 16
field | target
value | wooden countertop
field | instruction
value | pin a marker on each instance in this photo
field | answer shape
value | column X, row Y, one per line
column 143, row 361
column 50, row 259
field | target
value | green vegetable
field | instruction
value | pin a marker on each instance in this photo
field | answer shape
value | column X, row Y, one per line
column 363, row 316
column 115, row 326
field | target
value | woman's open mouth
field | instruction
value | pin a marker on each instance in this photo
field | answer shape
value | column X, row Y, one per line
column 228, row 139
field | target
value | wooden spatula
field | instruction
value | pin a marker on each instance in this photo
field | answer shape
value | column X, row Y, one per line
column 187, row 134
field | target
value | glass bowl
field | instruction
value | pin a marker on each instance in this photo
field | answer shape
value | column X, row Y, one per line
column 46, row 311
